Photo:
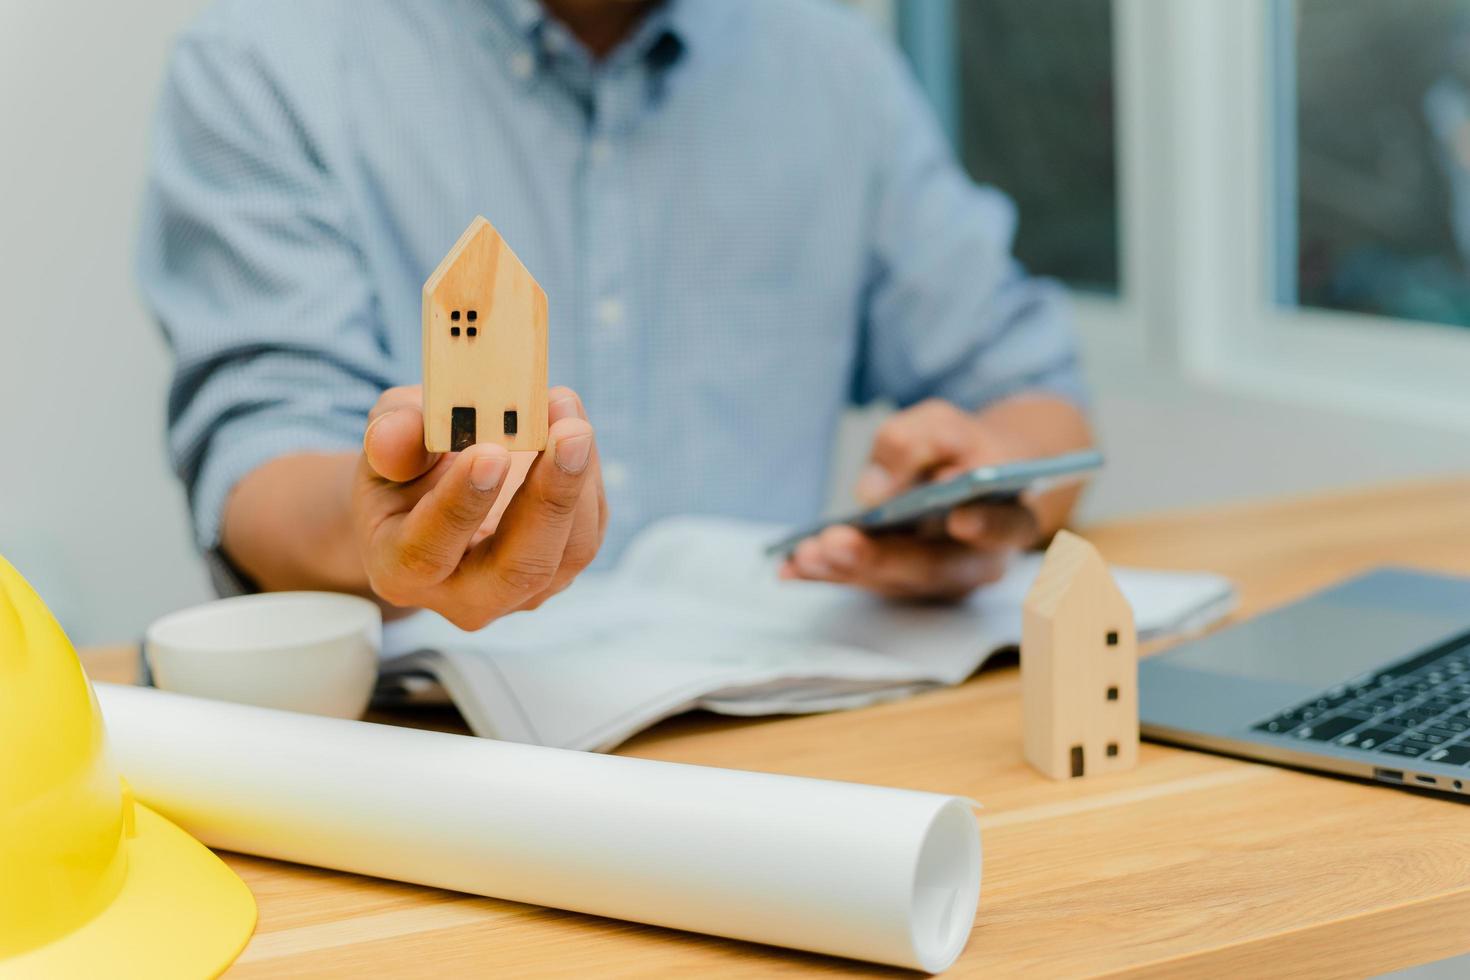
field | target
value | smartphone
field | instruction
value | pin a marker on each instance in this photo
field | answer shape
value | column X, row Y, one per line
column 999, row 484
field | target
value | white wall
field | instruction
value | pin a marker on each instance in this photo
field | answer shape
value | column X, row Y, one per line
column 88, row 509
column 1172, row 443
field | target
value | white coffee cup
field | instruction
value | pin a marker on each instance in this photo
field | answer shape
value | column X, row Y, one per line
column 315, row 652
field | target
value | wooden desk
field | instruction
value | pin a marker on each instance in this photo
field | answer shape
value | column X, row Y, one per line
column 1190, row 865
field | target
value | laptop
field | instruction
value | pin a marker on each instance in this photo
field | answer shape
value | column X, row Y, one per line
column 1369, row 679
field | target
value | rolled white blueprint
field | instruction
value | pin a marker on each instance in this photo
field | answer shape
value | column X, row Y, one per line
column 880, row 874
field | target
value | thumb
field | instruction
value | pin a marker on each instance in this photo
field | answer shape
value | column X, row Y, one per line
column 910, row 446
column 875, row 484
column 394, row 445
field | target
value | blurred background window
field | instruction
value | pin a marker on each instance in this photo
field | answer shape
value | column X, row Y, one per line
column 1372, row 159
column 1026, row 90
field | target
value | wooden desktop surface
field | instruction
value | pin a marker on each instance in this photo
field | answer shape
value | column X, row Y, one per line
column 1190, row 865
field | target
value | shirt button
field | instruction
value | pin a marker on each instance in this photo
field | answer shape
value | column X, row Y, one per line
column 521, row 64
column 599, row 151
column 610, row 311
column 614, row 474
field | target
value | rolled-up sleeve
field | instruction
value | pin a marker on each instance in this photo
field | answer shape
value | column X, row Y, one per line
column 247, row 259
column 950, row 313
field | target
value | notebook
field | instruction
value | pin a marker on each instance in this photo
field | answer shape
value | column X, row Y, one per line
column 693, row 616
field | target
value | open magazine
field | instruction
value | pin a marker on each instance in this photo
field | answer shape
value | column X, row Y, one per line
column 693, row 616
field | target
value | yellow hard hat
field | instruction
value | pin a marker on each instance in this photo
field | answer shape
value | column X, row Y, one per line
column 92, row 884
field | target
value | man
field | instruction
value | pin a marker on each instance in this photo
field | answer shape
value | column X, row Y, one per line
column 744, row 216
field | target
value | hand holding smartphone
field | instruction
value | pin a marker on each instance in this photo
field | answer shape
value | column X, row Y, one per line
column 1001, row 483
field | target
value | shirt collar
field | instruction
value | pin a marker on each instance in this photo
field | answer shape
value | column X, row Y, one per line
column 664, row 37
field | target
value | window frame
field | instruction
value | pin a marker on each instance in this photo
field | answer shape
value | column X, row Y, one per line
column 1233, row 330
column 1199, row 228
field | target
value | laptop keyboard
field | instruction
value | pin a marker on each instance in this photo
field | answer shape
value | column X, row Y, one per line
column 1417, row 708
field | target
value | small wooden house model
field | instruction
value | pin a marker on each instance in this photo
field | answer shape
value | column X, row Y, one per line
column 484, row 348
column 1079, row 666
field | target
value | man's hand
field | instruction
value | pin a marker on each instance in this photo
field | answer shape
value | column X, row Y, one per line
column 419, row 517
column 932, row 441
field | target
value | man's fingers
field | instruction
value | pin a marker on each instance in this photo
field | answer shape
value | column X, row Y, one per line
column 583, row 542
column 910, row 444
column 422, row 517
column 896, row 566
column 430, row 540
column 836, row 552
column 402, row 396
column 563, row 402
column 527, row 548
column 993, row 526
column 907, row 568
column 394, row 444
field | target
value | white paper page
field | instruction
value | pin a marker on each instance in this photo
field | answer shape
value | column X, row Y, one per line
column 721, row 557
column 598, row 606
column 835, row 695
column 712, row 556
column 887, row 875
column 595, row 699
column 715, row 557
column 612, row 660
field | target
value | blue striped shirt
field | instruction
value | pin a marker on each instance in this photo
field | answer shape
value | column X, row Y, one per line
column 745, row 217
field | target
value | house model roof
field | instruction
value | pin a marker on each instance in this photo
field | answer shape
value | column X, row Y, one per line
column 482, row 247
column 1069, row 560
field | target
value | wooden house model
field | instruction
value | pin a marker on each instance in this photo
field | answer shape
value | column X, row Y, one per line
column 1079, row 666
column 484, row 348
